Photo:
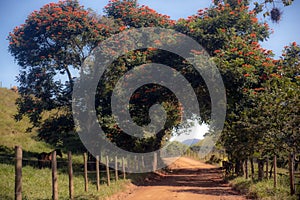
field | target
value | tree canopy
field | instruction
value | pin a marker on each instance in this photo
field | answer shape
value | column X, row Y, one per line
column 53, row 43
column 262, row 92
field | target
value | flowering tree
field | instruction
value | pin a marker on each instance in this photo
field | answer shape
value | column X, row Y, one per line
column 53, row 41
column 129, row 14
column 231, row 33
column 278, row 103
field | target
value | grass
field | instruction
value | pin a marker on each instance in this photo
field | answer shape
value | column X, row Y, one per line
column 264, row 190
column 7, row 111
column 37, row 185
column 13, row 133
column 37, row 182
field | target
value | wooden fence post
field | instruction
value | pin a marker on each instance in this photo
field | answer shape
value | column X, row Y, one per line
column 116, row 168
column 137, row 166
column 291, row 173
column 275, row 171
column 70, row 169
column 18, row 173
column 246, row 169
column 123, row 166
column 143, row 163
column 267, row 168
column 154, row 161
column 107, row 171
column 86, row 187
column 98, row 173
column 54, row 177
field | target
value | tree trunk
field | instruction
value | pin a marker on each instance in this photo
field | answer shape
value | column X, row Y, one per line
column 252, row 168
column 275, row 171
column 246, row 169
column 238, row 167
column 271, row 170
column 260, row 163
column 267, row 168
column 86, row 188
column 291, row 173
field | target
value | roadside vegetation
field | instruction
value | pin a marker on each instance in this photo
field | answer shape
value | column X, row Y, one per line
column 264, row 190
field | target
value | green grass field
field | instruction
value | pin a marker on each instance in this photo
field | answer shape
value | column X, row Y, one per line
column 37, row 184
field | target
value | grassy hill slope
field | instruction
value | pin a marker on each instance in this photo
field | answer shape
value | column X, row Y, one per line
column 13, row 133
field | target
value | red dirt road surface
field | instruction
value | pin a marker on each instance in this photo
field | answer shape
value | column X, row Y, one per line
column 189, row 180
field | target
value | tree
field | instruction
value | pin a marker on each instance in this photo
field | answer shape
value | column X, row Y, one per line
column 54, row 42
column 280, row 100
column 246, row 68
column 57, row 39
column 129, row 14
column 231, row 33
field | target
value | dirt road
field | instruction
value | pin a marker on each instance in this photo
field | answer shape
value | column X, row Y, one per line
column 189, row 180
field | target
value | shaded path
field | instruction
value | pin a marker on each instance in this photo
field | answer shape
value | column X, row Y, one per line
column 189, row 180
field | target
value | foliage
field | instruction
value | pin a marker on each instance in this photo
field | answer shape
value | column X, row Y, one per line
column 53, row 42
column 213, row 28
column 231, row 33
column 282, row 90
column 130, row 14
column 263, row 93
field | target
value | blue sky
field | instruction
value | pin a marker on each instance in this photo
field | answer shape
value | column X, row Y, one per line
column 14, row 13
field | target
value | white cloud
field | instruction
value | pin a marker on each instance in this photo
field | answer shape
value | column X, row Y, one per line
column 196, row 131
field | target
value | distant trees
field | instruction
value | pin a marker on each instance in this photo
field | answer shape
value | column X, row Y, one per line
column 176, row 148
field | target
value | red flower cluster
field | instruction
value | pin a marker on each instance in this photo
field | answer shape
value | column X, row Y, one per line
column 132, row 14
